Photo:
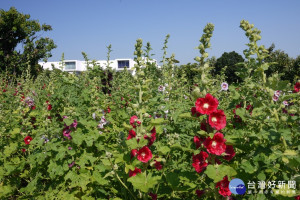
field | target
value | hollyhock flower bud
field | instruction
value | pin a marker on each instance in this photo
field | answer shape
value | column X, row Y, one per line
column 133, row 153
column 206, row 105
column 229, row 151
column 133, row 119
column 199, row 161
column 194, row 112
column 158, row 165
column 131, row 134
column 27, row 140
column 216, row 145
column 94, row 115
column 224, row 86
column 198, row 141
column 49, row 107
column 134, row 172
column 297, row 87
column 217, row 119
column 23, row 150
column 153, row 196
column 223, row 186
column 199, row 193
column 144, row 154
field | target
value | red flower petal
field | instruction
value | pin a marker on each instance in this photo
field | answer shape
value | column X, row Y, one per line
column 217, row 119
column 144, row 154
column 206, row 105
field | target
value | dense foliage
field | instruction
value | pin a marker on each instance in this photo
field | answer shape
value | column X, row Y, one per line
column 154, row 135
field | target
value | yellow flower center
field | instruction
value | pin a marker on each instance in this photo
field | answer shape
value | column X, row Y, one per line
column 214, row 119
column 214, row 144
column 205, row 105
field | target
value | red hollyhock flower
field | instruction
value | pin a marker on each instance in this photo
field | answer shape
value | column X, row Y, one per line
column 144, row 154
column 49, row 107
column 200, row 193
column 158, row 165
column 198, row 141
column 23, row 150
column 153, row 196
column 108, row 109
column 199, row 161
column 195, row 113
column 152, row 138
column 297, row 87
column 134, row 172
column 131, row 134
column 133, row 153
column 33, row 108
column 229, row 151
column 27, row 139
column 133, row 120
column 297, row 197
column 206, row 105
column 216, row 145
column 224, row 187
column 217, row 119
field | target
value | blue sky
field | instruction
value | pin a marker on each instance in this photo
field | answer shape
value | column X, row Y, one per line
column 91, row 25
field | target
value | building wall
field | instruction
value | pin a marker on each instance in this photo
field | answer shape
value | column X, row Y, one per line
column 78, row 66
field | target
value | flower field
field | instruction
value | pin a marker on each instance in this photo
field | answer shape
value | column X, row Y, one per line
column 155, row 135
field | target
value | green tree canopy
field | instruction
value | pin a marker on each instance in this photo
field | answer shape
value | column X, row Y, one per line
column 230, row 60
column 20, row 45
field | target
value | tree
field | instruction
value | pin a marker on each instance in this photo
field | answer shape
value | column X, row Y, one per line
column 20, row 45
column 230, row 60
column 283, row 64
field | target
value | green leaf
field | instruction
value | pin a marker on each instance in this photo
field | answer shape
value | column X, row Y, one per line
column 164, row 150
column 241, row 112
column 218, row 172
column 132, row 143
column 157, row 121
column 290, row 153
column 68, row 121
column 246, row 165
column 143, row 182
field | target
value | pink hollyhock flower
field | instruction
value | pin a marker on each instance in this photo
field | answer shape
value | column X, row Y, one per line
column 195, row 113
column 224, row 86
column 277, row 93
column 71, row 164
column 133, row 119
column 131, row 134
column 199, row 161
column 275, row 98
column 199, row 193
column 206, row 105
column 198, row 141
column 286, row 103
column 67, row 132
column 144, row 154
column 158, row 165
column 74, row 124
column 229, row 151
column 223, row 186
column 27, row 140
column 297, row 87
column 216, row 145
column 153, row 196
column 134, row 172
column 217, row 119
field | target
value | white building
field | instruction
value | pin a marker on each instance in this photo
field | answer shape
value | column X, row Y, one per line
column 77, row 66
